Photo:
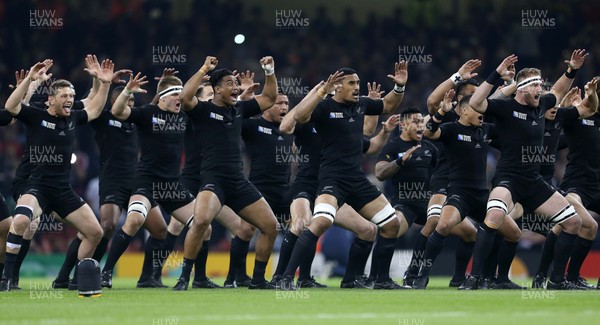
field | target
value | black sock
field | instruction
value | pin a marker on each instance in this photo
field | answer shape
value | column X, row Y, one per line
column 9, row 265
column 580, row 252
column 21, row 257
column 357, row 258
column 235, row 257
column 464, row 251
column 153, row 257
column 70, row 261
column 547, row 253
column 383, row 253
column 100, row 249
column 373, row 271
column 287, row 246
column 169, row 243
column 259, row 272
column 562, row 251
column 2, row 270
column 241, row 271
column 483, row 247
column 306, row 265
column 120, row 242
column 491, row 263
column 306, row 244
column 418, row 253
column 435, row 242
column 200, row 265
column 506, row 254
column 186, row 269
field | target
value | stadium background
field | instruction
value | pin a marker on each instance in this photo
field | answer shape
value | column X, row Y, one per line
column 308, row 41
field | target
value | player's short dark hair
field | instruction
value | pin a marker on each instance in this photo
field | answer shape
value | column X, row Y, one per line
column 116, row 92
column 465, row 100
column 526, row 73
column 409, row 111
column 346, row 71
column 58, row 84
column 461, row 87
column 217, row 75
column 167, row 82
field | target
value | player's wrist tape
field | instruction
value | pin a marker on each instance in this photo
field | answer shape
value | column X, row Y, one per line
column 456, row 78
column 170, row 91
column 126, row 92
column 438, row 116
column 494, row 78
column 529, row 81
column 321, row 93
column 400, row 162
column 399, row 90
column 432, row 125
column 571, row 74
column 204, row 70
column 269, row 69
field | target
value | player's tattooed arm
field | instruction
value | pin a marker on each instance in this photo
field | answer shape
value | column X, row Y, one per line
column 303, row 112
column 268, row 96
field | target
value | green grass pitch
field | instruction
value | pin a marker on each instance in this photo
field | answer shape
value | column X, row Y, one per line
column 38, row 303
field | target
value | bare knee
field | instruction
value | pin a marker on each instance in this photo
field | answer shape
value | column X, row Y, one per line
column 390, row 229
column 20, row 224
column 366, row 231
column 571, row 225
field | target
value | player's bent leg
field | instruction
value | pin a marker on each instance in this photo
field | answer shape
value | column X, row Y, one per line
column 175, row 227
column 404, row 223
column 229, row 219
column 380, row 212
column 558, row 209
column 137, row 212
column 301, row 215
column 206, row 207
column 583, row 243
column 508, row 247
column 84, row 220
column 109, row 217
column 498, row 205
column 448, row 221
column 365, row 233
column 260, row 215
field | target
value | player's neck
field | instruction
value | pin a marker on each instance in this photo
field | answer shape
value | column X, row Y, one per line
column 519, row 99
column 464, row 122
column 405, row 137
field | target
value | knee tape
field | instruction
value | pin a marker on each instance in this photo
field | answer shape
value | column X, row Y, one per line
column 384, row 216
column 435, row 210
column 324, row 210
column 24, row 210
column 190, row 222
column 498, row 205
column 139, row 207
column 564, row 214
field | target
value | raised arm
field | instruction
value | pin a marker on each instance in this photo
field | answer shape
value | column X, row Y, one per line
column 589, row 105
column 370, row 123
column 267, row 98
column 303, row 112
column 13, row 103
column 479, row 99
column 393, row 99
column 563, row 84
column 188, row 94
column 464, row 73
column 288, row 123
column 96, row 104
column 120, row 109
column 387, row 169
column 432, row 129
column 378, row 141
